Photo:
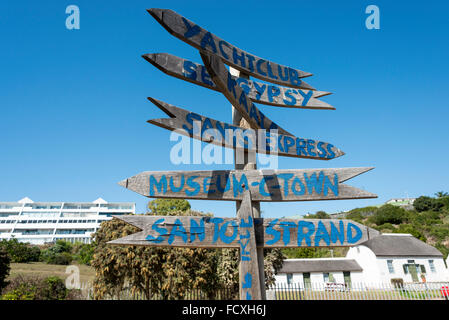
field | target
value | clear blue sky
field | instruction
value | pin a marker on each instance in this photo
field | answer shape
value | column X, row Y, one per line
column 74, row 109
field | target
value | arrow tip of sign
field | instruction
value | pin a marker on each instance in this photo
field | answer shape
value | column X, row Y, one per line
column 116, row 242
column 163, row 106
column 338, row 153
column 319, row 94
column 306, row 74
column 150, row 57
column 123, row 183
column 156, row 13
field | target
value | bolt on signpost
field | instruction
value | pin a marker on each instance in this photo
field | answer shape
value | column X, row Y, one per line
column 251, row 132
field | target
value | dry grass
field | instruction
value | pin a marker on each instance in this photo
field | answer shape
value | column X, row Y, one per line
column 87, row 273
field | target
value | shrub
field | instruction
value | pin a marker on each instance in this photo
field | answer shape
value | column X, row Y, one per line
column 356, row 216
column 35, row 288
column 386, row 226
column 83, row 253
column 443, row 249
column 59, row 253
column 389, row 214
column 51, row 257
column 53, row 288
column 20, row 252
column 424, row 203
column 441, row 232
column 21, row 288
column 408, row 228
column 363, row 212
column 445, row 201
column 4, row 267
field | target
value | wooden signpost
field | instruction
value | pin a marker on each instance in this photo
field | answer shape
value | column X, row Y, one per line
column 250, row 131
column 231, row 136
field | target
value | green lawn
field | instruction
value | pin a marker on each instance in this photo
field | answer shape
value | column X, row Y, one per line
column 87, row 274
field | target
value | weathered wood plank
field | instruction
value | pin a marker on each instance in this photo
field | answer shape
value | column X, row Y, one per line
column 212, row 232
column 222, row 134
column 236, row 96
column 258, row 92
column 265, row 185
column 250, row 281
column 203, row 40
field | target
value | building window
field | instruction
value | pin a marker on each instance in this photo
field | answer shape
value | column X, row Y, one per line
column 422, row 268
column 347, row 278
column 289, row 278
column 306, row 279
column 432, row 266
column 390, row 266
column 326, row 277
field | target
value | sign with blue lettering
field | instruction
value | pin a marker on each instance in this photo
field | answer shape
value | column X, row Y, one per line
column 265, row 185
column 269, row 94
column 223, row 134
column 250, row 286
column 205, row 41
column 212, row 232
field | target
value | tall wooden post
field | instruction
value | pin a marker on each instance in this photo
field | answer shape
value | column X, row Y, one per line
column 249, row 163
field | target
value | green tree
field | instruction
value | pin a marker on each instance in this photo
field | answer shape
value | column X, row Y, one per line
column 164, row 206
column 441, row 194
column 83, row 252
column 318, row 215
column 425, row 203
column 164, row 272
column 4, row 267
column 20, row 252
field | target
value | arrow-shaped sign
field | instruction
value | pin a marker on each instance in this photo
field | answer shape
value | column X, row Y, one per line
column 223, row 134
column 203, row 40
column 213, row 232
column 265, row 185
column 258, row 92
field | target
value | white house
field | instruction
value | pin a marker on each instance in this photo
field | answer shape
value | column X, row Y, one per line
column 318, row 271
column 373, row 263
column 399, row 256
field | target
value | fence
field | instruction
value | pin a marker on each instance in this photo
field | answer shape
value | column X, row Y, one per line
column 192, row 294
column 314, row 291
column 359, row 291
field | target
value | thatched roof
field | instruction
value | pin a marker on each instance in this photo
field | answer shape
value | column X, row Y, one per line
column 319, row 265
column 400, row 245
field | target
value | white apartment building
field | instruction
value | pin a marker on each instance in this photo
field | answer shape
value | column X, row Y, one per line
column 43, row 222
